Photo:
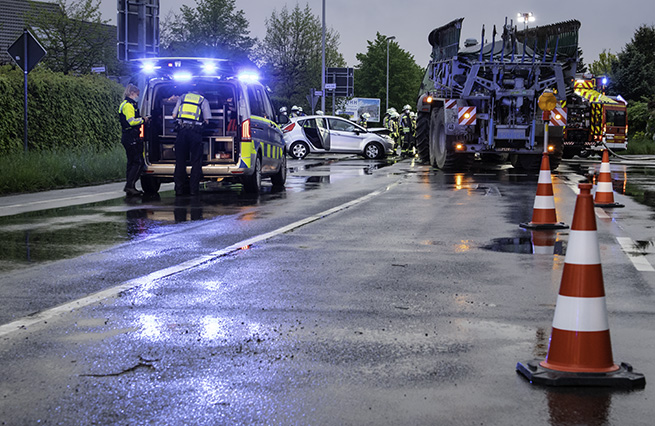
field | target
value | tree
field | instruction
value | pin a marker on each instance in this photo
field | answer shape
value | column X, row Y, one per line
column 291, row 54
column 603, row 65
column 213, row 29
column 405, row 75
column 633, row 74
column 75, row 36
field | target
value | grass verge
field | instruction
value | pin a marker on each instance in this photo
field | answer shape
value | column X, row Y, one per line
column 45, row 170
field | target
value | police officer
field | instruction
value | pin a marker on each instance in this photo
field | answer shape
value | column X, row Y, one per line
column 191, row 111
column 131, row 122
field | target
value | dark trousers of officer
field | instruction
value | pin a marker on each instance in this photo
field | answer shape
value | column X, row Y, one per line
column 134, row 153
column 188, row 145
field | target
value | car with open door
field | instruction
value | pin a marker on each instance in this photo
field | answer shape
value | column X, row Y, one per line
column 325, row 133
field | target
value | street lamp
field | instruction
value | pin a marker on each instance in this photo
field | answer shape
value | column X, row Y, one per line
column 323, row 64
column 388, row 40
column 526, row 17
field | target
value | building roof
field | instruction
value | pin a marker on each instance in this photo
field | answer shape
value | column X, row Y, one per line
column 12, row 22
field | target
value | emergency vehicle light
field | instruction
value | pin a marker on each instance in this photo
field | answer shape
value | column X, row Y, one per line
column 182, row 76
column 249, row 76
column 209, row 67
column 149, row 67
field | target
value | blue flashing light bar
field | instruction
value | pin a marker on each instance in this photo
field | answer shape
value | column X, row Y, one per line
column 249, row 76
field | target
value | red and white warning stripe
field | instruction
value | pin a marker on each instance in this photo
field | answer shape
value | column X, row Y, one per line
column 450, row 103
column 467, row 115
column 558, row 116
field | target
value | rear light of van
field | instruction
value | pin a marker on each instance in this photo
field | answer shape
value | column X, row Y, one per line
column 245, row 131
column 289, row 127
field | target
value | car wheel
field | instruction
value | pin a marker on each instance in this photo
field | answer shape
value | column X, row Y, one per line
column 299, row 150
column 279, row 178
column 252, row 183
column 150, row 184
column 373, row 150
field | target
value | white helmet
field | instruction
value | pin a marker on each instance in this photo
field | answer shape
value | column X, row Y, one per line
column 394, row 114
column 407, row 108
column 295, row 108
column 366, row 116
column 283, row 110
column 299, row 109
column 319, row 112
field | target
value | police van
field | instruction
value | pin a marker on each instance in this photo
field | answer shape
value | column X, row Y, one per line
column 242, row 142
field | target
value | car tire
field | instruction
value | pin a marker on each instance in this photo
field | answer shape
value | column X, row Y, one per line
column 253, row 183
column 299, row 150
column 150, row 184
column 373, row 150
column 280, row 178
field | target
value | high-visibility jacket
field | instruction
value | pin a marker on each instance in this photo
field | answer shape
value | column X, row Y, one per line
column 191, row 107
column 129, row 116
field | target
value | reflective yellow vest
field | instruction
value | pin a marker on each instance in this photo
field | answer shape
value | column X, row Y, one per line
column 191, row 107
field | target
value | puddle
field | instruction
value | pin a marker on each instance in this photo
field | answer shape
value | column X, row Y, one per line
column 539, row 242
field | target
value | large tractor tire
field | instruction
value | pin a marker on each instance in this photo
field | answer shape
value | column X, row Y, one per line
column 423, row 137
column 441, row 154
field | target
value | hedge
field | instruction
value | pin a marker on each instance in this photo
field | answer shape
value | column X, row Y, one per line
column 64, row 111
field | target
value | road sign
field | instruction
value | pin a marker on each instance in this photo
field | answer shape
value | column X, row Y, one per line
column 330, row 86
column 26, row 55
column 318, row 92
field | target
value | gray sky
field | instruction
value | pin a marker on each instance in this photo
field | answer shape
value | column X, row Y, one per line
column 604, row 26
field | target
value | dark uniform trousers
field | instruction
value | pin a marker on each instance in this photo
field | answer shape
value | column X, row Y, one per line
column 134, row 153
column 188, row 145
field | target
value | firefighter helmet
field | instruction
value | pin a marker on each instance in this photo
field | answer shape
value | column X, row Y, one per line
column 407, row 108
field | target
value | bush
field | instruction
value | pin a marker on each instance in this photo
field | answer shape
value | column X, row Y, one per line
column 640, row 144
column 64, row 111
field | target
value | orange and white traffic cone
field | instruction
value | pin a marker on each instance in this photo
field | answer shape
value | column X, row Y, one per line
column 543, row 242
column 604, row 192
column 580, row 351
column 544, row 215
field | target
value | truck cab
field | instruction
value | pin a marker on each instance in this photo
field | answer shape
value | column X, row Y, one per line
column 242, row 142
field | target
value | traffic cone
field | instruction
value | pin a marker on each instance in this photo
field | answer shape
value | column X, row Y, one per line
column 604, row 192
column 580, row 351
column 543, row 242
column 544, row 215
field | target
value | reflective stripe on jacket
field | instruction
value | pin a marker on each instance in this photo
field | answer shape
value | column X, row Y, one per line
column 129, row 115
column 190, row 107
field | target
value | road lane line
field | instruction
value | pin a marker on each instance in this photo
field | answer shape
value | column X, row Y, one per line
column 639, row 261
column 44, row 316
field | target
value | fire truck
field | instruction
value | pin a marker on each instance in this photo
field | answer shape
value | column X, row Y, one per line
column 594, row 120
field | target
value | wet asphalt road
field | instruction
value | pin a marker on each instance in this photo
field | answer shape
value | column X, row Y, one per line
column 364, row 293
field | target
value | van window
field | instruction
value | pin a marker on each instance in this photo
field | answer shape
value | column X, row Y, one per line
column 256, row 102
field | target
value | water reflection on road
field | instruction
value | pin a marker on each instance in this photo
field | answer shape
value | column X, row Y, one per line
column 61, row 233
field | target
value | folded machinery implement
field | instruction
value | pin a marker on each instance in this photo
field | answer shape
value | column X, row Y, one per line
column 483, row 98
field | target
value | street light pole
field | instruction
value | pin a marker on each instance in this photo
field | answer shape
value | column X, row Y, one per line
column 388, row 40
column 323, row 67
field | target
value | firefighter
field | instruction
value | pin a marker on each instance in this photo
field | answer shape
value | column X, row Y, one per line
column 386, row 120
column 131, row 122
column 406, row 130
column 301, row 113
column 284, row 117
column 363, row 119
column 295, row 111
column 394, row 119
column 191, row 112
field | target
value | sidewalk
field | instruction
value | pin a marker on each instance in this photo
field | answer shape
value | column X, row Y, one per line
column 23, row 203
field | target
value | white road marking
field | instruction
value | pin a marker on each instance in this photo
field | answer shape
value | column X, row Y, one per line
column 640, row 262
column 44, row 316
